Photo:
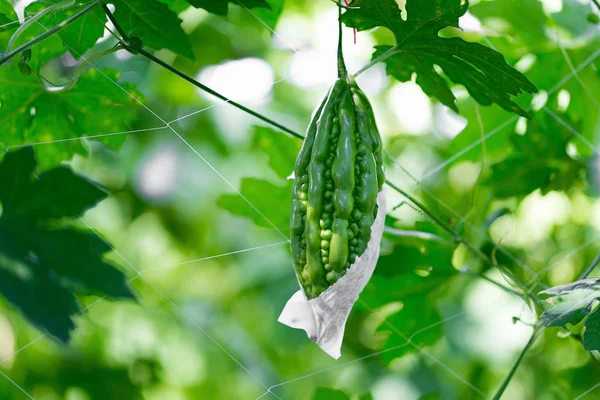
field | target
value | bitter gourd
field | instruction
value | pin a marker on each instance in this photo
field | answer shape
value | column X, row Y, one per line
column 338, row 174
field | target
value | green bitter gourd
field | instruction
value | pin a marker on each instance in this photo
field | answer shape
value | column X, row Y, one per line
column 338, row 174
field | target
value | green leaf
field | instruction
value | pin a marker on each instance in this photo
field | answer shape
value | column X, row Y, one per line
column 571, row 304
column 60, row 193
column 46, row 304
column 63, row 250
column 79, row 36
column 419, row 49
column 32, row 114
column 404, row 289
column 8, row 10
column 281, row 149
column 272, row 200
column 270, row 15
column 15, row 173
column 52, row 46
column 42, row 267
column 221, row 7
column 323, row 393
column 155, row 24
column 524, row 24
column 539, row 159
column 8, row 24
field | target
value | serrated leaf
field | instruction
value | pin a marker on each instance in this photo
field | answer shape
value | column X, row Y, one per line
column 42, row 267
column 47, row 305
column 571, row 304
column 60, row 193
column 80, row 35
column 155, row 24
column 63, row 250
column 52, row 46
column 221, row 7
column 419, row 49
column 281, row 149
column 30, row 114
column 271, row 199
column 323, row 393
column 15, row 173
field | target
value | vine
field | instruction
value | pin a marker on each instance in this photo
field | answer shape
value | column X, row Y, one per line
column 135, row 46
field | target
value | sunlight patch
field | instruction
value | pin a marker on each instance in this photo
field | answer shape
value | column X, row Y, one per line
column 248, row 80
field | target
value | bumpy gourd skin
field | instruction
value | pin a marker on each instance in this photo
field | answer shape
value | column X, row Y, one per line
column 338, row 173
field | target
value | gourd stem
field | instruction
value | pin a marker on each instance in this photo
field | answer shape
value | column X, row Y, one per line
column 536, row 331
column 10, row 54
column 342, row 72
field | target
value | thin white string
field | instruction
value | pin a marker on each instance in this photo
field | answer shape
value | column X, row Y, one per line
column 269, row 28
column 590, row 390
column 565, row 257
column 426, row 353
column 8, row 357
column 572, row 130
column 465, row 150
column 408, row 342
column 186, row 143
column 263, row 395
column 131, row 265
column 200, row 156
column 87, row 137
column 165, row 126
column 174, row 305
column 44, row 334
column 17, row 385
column 10, row 23
column 456, row 214
column 218, row 102
column 434, row 170
column 570, row 64
column 216, row 256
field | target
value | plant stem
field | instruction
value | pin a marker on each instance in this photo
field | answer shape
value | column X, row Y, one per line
column 418, row 234
column 125, row 41
column 392, row 51
column 117, row 26
column 460, row 239
column 214, row 93
column 342, row 72
column 589, row 269
column 495, row 283
column 596, row 3
column 536, row 331
column 7, row 56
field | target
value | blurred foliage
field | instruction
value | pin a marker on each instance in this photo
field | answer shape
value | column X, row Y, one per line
column 41, row 263
column 210, row 272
